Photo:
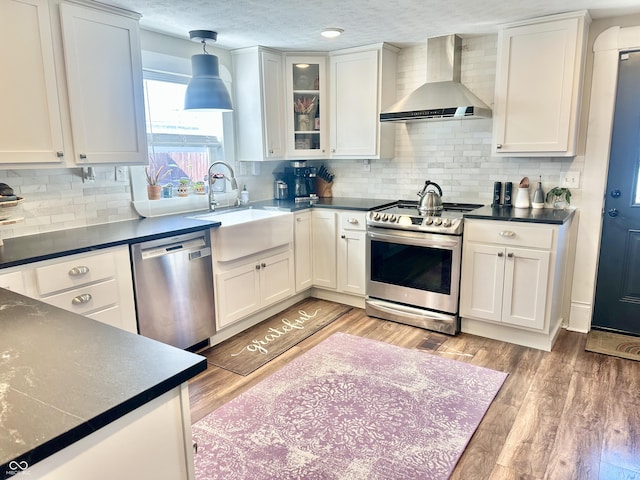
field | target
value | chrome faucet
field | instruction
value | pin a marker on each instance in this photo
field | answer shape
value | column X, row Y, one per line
column 234, row 185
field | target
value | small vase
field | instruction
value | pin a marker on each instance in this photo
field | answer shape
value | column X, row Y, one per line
column 304, row 122
column 153, row 192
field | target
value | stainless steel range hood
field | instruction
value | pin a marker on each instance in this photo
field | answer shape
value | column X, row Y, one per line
column 443, row 96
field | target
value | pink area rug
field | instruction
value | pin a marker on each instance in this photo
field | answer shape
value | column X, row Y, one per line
column 349, row 408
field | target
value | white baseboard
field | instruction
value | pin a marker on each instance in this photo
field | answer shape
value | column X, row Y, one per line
column 580, row 317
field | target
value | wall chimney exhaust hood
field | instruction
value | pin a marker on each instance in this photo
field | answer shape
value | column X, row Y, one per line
column 443, row 96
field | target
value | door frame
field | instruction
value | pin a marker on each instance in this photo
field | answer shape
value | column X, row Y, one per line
column 606, row 48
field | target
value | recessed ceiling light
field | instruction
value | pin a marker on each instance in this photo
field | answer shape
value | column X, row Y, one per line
column 331, row 32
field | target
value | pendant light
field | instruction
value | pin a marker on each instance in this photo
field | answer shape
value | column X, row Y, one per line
column 206, row 90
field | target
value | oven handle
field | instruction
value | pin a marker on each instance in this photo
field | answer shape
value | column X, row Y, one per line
column 407, row 238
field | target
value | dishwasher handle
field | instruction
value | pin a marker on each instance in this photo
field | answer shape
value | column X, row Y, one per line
column 196, row 248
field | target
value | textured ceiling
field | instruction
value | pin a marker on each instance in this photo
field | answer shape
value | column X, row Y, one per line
column 296, row 24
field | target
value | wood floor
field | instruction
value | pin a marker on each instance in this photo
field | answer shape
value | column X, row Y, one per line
column 565, row 414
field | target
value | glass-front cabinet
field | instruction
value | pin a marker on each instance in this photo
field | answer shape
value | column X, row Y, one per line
column 306, row 98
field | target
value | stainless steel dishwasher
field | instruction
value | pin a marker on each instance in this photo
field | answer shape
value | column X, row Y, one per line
column 173, row 284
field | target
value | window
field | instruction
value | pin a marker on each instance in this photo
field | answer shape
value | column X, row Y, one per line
column 181, row 143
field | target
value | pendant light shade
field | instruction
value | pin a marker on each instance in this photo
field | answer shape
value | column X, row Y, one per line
column 206, row 90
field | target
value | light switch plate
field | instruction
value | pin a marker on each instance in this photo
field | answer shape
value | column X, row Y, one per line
column 570, row 180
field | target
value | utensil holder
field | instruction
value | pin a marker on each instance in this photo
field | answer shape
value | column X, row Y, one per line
column 324, row 188
column 522, row 198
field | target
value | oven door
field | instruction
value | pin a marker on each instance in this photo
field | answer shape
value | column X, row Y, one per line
column 414, row 268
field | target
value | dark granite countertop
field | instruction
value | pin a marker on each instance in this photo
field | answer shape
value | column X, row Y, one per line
column 64, row 376
column 339, row 203
column 528, row 215
column 43, row 246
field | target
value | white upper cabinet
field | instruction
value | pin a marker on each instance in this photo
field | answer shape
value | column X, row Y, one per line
column 259, row 104
column 306, row 104
column 30, row 125
column 538, row 86
column 104, row 75
column 71, row 85
column 361, row 83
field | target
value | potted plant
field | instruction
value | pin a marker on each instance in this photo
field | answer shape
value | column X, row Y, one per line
column 153, row 178
column 559, row 197
column 183, row 187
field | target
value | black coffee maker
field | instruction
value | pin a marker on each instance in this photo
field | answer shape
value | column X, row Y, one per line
column 301, row 181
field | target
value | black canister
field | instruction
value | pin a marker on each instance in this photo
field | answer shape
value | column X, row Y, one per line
column 508, row 192
column 497, row 189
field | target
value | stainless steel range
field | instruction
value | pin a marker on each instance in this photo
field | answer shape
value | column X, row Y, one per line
column 413, row 264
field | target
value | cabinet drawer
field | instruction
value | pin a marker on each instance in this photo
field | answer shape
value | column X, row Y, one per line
column 353, row 221
column 509, row 234
column 86, row 299
column 74, row 273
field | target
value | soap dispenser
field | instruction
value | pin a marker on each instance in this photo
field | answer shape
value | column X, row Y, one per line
column 244, row 196
column 538, row 196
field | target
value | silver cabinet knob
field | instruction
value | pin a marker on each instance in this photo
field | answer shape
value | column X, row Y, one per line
column 499, row 146
column 510, row 255
column 59, row 154
column 500, row 254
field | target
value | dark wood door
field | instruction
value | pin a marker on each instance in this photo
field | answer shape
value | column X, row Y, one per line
column 617, row 300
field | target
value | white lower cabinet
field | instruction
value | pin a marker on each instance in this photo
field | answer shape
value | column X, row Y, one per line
column 514, row 281
column 352, row 252
column 339, row 250
column 323, row 227
column 97, row 285
column 13, row 281
column 507, row 285
column 303, row 248
column 153, row 441
column 249, row 284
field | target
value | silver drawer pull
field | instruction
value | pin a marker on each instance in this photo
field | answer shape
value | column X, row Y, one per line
column 81, row 299
column 507, row 233
column 78, row 271
column 353, row 221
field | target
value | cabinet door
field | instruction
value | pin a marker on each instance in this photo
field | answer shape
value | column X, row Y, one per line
column 237, row 293
column 537, row 88
column 276, row 278
column 13, row 281
column 324, row 248
column 525, row 287
column 482, row 281
column 104, row 75
column 273, row 101
column 351, row 262
column 354, row 104
column 30, row 124
column 303, row 251
column 305, row 80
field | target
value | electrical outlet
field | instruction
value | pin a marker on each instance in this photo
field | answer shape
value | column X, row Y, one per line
column 119, row 174
column 571, row 180
column 366, row 165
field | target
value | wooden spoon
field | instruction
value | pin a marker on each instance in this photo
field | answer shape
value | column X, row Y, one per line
column 524, row 183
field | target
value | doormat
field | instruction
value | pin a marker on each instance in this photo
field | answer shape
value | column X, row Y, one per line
column 615, row 344
column 263, row 342
column 349, row 408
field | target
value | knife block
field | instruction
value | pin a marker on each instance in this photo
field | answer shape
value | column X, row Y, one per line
column 323, row 188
